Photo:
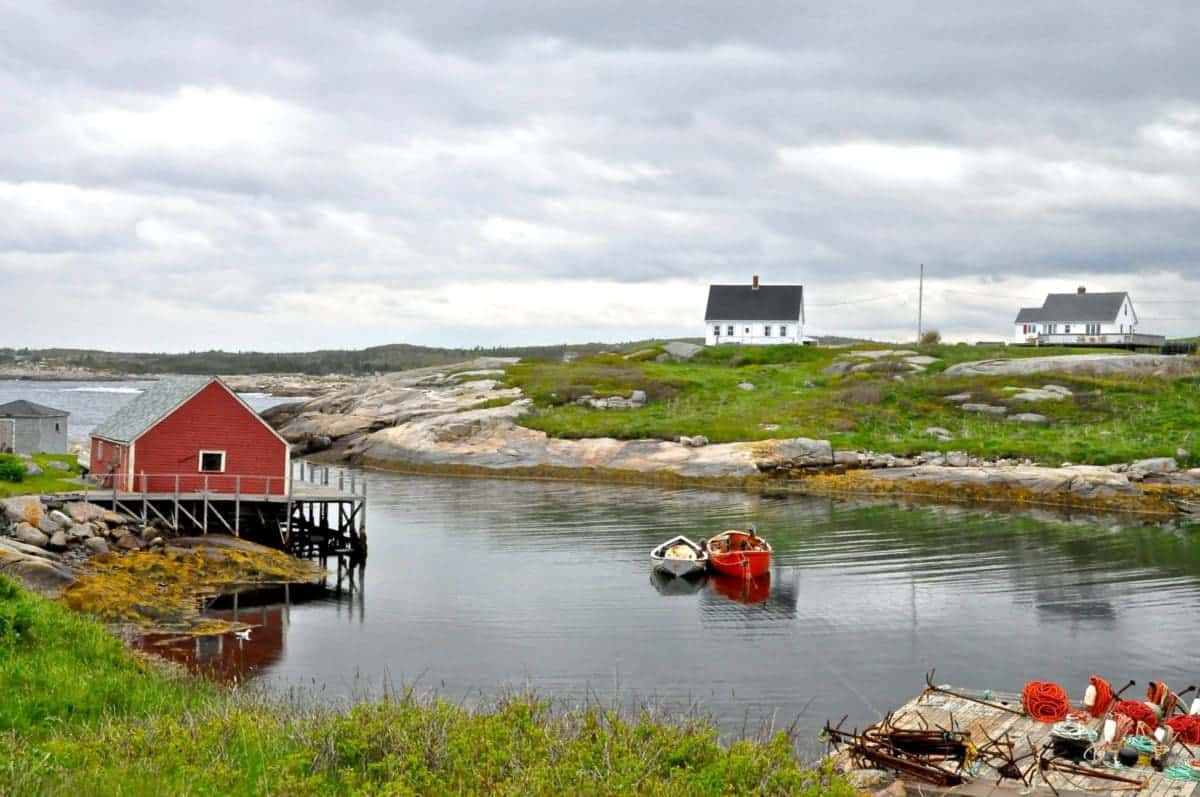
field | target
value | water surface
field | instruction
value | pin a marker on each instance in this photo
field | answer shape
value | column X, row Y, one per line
column 476, row 586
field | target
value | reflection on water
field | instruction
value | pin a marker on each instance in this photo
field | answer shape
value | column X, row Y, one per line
column 476, row 586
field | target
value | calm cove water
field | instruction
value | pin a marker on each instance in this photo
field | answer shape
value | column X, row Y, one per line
column 477, row 586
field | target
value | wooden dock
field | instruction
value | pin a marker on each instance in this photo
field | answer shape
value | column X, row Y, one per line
column 957, row 710
column 319, row 512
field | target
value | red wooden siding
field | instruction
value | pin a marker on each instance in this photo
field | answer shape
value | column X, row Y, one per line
column 212, row 420
column 113, row 460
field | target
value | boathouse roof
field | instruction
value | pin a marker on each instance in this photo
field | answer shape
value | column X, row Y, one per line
column 754, row 303
column 28, row 409
column 1079, row 306
column 155, row 403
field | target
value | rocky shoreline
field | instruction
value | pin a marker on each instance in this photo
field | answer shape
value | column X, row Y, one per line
column 283, row 385
column 463, row 420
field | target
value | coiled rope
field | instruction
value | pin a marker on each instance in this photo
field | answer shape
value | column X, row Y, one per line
column 1189, row 771
column 1186, row 728
column 1045, row 701
column 1104, row 696
column 1137, row 711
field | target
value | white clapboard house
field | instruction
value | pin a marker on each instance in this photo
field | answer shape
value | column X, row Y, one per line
column 1083, row 319
column 755, row 314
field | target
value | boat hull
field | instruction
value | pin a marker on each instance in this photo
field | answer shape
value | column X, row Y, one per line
column 679, row 566
column 735, row 553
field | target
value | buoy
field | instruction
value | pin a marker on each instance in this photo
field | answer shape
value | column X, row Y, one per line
column 1128, row 756
column 1156, row 708
column 1110, row 731
column 1195, row 711
column 1089, row 696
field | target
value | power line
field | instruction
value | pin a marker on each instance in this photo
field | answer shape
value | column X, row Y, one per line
column 862, row 301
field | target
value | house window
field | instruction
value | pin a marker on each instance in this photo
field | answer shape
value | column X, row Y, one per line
column 717, row 330
column 783, row 332
column 747, row 330
column 729, row 330
column 212, row 461
column 58, row 427
column 1093, row 329
column 767, row 331
column 99, row 449
column 1067, row 329
column 1047, row 329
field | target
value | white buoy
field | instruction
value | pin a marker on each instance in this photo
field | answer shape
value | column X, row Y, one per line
column 1161, row 735
column 1110, row 730
column 1089, row 696
column 1156, row 708
column 1195, row 711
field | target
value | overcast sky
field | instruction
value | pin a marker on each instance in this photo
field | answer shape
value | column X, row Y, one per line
column 233, row 175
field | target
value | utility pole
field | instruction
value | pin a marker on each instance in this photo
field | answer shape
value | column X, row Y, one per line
column 921, row 304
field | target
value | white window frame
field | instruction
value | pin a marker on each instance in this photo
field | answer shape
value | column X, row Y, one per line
column 716, row 330
column 783, row 332
column 99, row 449
column 747, row 330
column 200, row 462
column 766, row 330
column 729, row 330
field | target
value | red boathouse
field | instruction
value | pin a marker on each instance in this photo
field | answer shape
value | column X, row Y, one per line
column 190, row 434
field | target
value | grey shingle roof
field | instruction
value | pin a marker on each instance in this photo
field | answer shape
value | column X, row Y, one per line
column 129, row 422
column 27, row 409
column 744, row 303
column 1081, row 307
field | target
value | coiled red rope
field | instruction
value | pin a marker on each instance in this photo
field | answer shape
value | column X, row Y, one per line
column 1045, row 701
column 1104, row 696
column 1137, row 711
column 1186, row 728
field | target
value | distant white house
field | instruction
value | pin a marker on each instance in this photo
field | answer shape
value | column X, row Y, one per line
column 1083, row 319
column 754, row 314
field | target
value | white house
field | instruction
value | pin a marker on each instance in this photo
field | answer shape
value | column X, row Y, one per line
column 756, row 314
column 1082, row 319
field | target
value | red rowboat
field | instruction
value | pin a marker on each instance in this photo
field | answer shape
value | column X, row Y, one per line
column 739, row 553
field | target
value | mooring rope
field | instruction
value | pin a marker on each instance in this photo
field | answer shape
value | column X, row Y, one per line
column 1045, row 701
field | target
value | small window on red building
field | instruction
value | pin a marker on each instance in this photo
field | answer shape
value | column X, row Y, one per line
column 212, row 461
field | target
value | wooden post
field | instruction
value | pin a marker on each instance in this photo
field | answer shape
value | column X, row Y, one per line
column 341, row 481
column 145, row 518
column 205, row 523
column 176, row 504
column 237, row 506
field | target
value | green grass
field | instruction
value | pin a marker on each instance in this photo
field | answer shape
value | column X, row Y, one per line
column 80, row 715
column 1107, row 420
column 52, row 480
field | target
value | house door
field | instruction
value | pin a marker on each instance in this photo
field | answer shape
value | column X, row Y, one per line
column 8, row 435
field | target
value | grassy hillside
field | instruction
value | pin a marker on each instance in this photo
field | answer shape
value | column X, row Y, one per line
column 80, row 715
column 52, row 480
column 1106, row 420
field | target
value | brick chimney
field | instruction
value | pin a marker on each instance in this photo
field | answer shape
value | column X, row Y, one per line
column 1081, row 290
column 754, row 284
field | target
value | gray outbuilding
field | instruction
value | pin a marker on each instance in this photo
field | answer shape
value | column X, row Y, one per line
column 28, row 428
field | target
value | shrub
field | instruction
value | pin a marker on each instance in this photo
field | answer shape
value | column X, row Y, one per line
column 16, row 615
column 11, row 469
column 931, row 337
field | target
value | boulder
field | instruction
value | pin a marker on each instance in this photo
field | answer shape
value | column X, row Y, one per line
column 990, row 409
column 130, row 542
column 1158, row 466
column 29, row 535
column 1082, row 365
column 60, row 518
column 84, row 512
column 958, row 459
column 799, row 452
column 33, row 469
column 83, row 531
column 1029, row 417
column 95, row 545
column 114, row 519
column 679, row 350
column 58, row 541
column 745, row 386
column 49, row 525
column 36, row 574
column 939, row 433
column 24, row 509
column 957, row 398
column 118, row 533
column 637, row 397
column 849, row 459
column 54, row 463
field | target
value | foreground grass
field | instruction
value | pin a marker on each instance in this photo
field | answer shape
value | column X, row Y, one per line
column 80, row 715
column 1107, row 420
column 52, row 480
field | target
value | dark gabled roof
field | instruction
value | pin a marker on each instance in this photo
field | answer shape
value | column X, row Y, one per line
column 155, row 402
column 1081, row 307
column 745, row 303
column 27, row 409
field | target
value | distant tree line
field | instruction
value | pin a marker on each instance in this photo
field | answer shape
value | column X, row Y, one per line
column 392, row 357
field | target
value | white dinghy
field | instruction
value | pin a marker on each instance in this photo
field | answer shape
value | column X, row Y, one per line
column 679, row 556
